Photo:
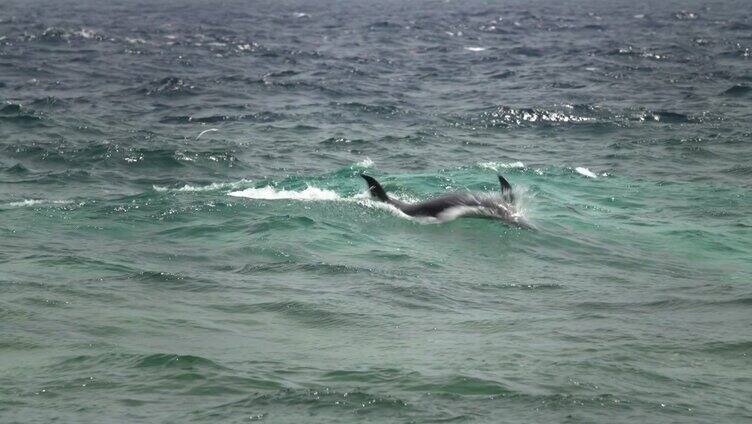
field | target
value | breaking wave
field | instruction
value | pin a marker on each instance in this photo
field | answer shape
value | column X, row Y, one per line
column 38, row 202
column 271, row 193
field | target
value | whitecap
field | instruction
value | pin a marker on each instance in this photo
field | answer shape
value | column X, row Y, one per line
column 34, row 202
column 501, row 165
column 130, row 40
column 271, row 193
column 365, row 163
column 211, row 187
column 86, row 33
column 475, row 49
column 586, row 172
column 206, row 131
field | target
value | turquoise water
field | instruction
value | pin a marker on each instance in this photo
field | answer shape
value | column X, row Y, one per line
column 186, row 238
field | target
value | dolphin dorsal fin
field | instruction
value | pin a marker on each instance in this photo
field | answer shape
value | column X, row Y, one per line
column 375, row 189
column 506, row 188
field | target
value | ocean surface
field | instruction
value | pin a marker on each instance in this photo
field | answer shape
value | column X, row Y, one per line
column 185, row 238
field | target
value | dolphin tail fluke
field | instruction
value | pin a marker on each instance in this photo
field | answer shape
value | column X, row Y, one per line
column 375, row 189
column 506, row 188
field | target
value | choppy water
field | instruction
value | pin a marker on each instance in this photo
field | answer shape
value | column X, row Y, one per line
column 135, row 288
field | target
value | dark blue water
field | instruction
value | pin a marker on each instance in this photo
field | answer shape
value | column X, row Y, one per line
column 184, row 235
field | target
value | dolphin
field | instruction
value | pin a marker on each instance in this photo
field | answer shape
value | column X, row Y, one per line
column 453, row 205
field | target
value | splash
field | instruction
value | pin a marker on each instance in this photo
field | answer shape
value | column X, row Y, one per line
column 365, row 163
column 271, row 193
column 496, row 166
column 312, row 193
column 586, row 172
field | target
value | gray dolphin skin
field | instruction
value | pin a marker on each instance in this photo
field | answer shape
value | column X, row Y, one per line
column 499, row 205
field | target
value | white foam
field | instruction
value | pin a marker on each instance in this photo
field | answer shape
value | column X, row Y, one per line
column 34, row 202
column 475, row 49
column 271, row 193
column 206, row 131
column 365, row 163
column 86, row 33
column 501, row 165
column 135, row 40
column 586, row 172
column 210, row 187
column 312, row 193
column 363, row 199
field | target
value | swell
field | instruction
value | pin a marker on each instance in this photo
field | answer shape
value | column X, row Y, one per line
column 103, row 156
column 305, row 313
column 319, row 268
column 669, row 304
column 14, row 113
column 133, row 361
column 257, row 117
column 129, row 375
